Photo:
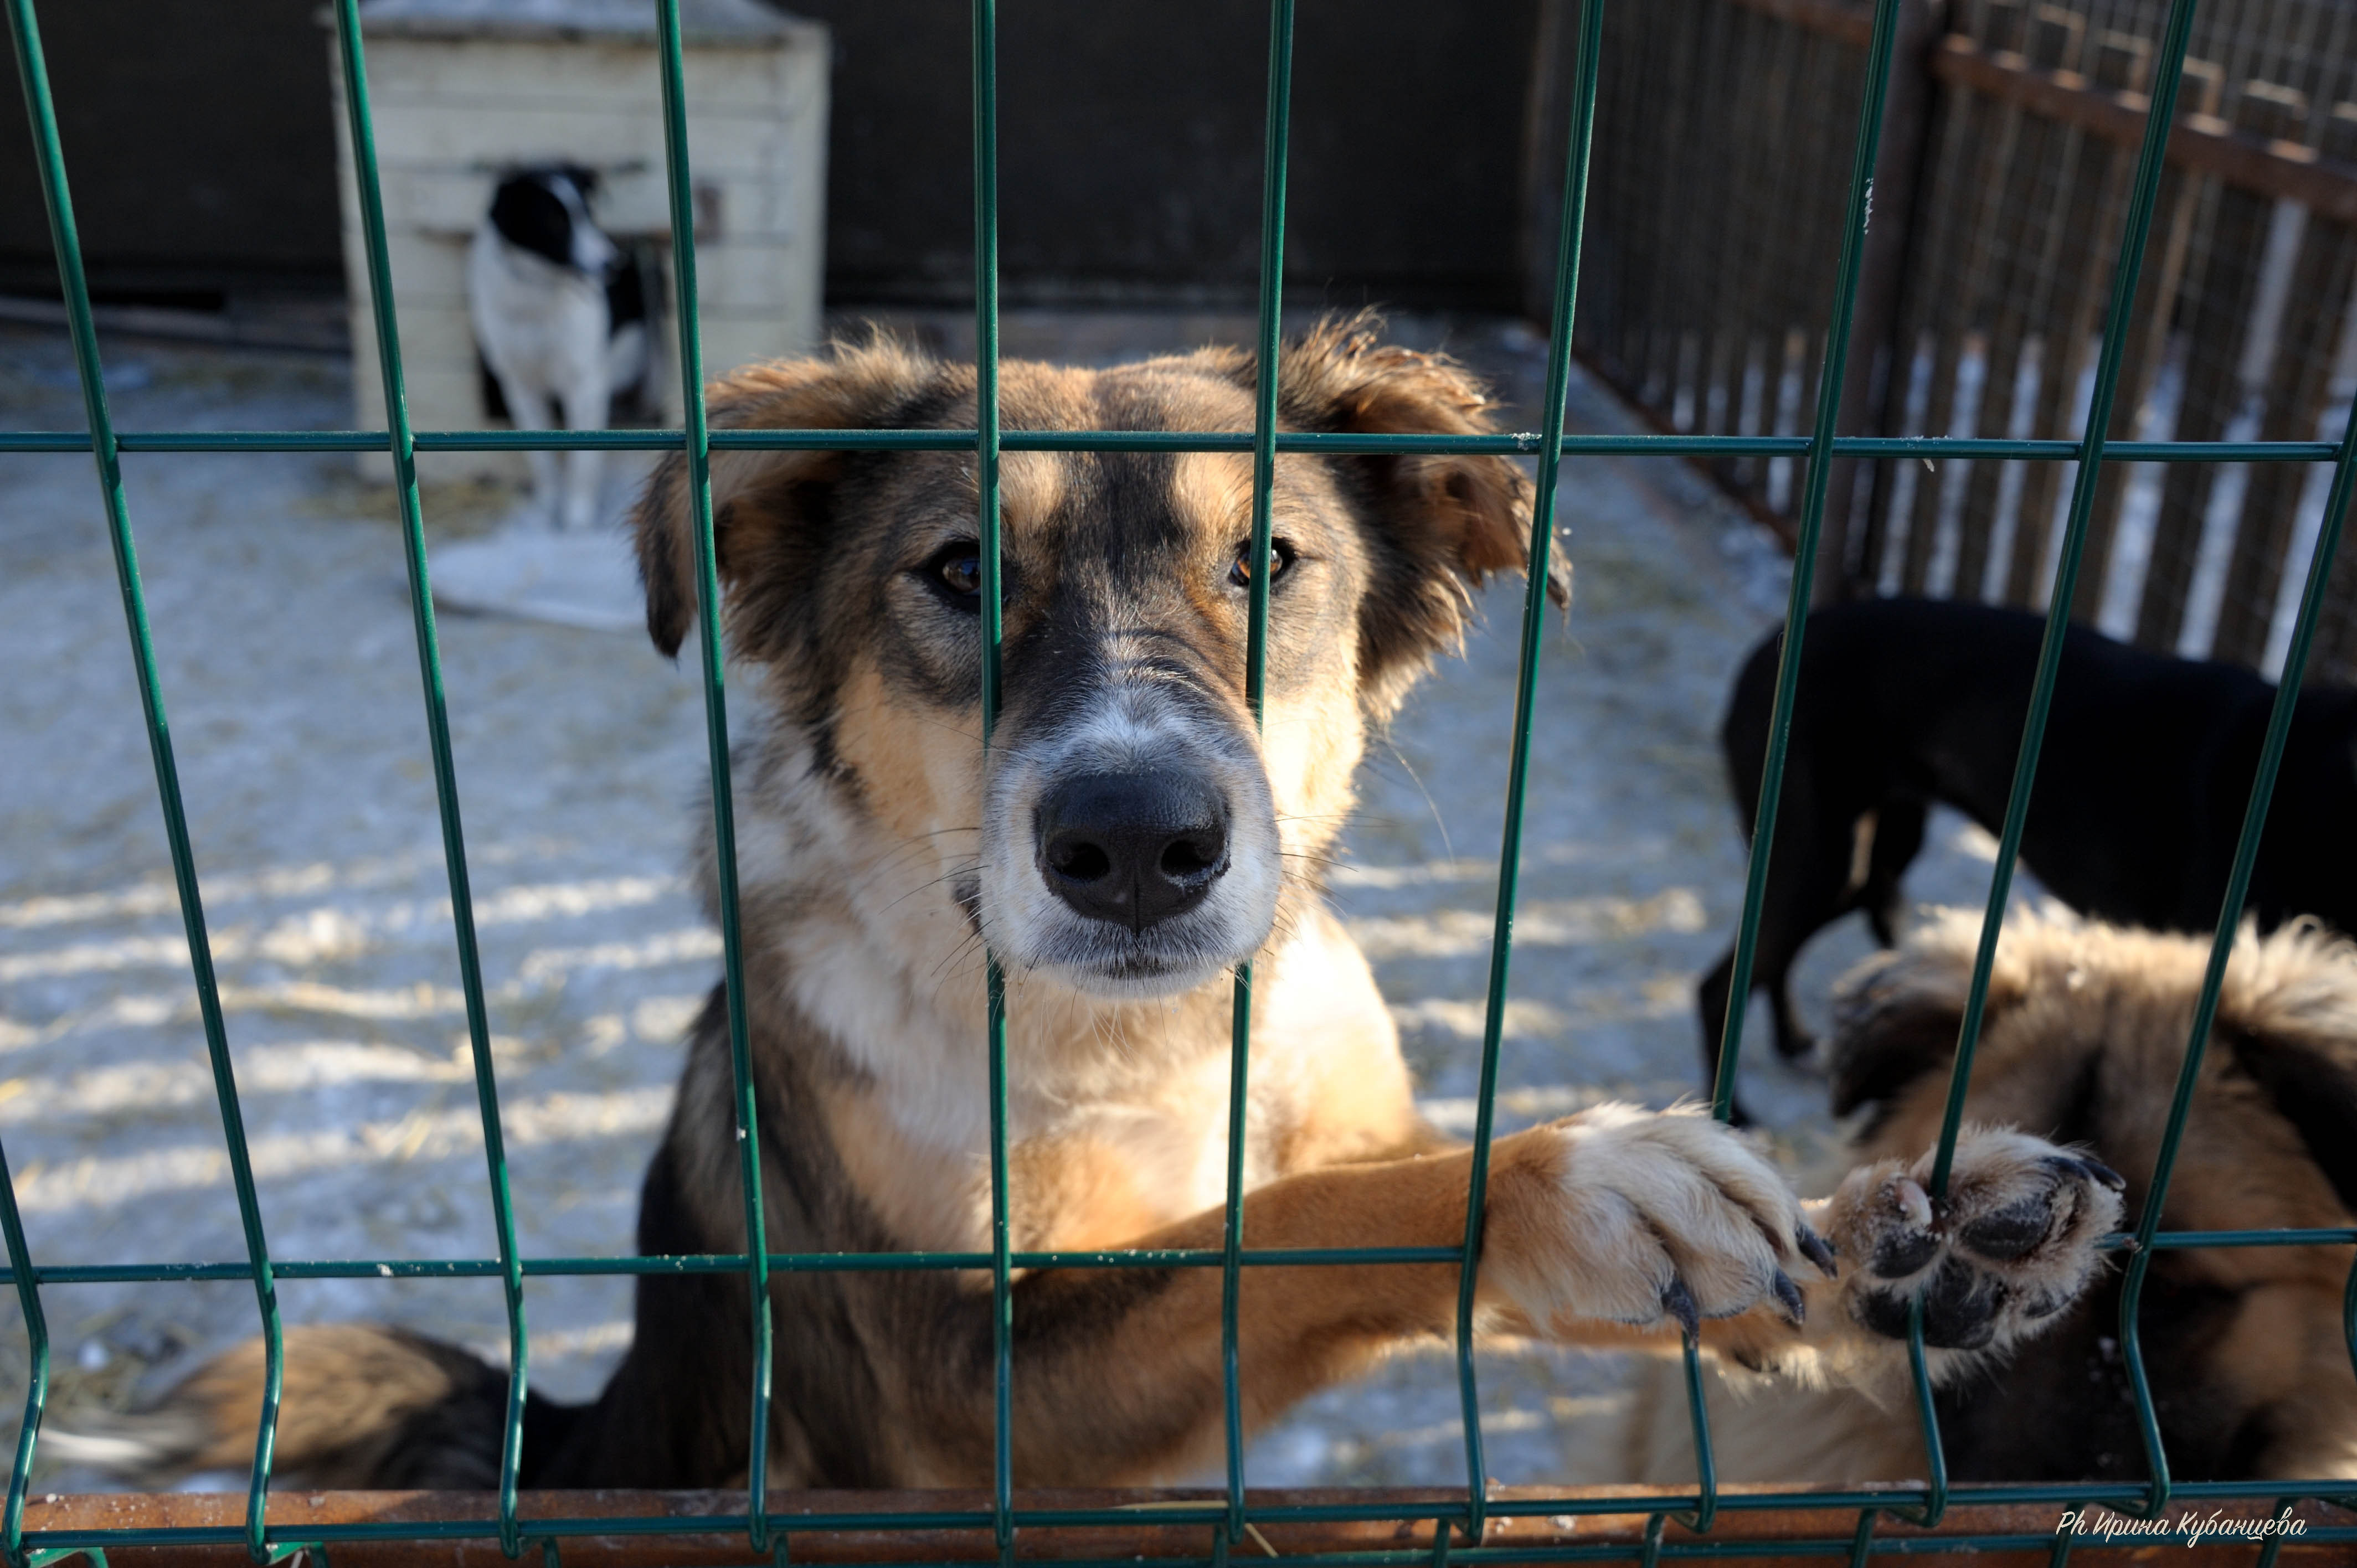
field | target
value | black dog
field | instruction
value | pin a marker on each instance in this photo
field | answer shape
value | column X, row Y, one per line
column 2141, row 785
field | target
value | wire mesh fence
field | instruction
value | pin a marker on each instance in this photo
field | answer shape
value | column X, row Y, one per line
column 1762, row 392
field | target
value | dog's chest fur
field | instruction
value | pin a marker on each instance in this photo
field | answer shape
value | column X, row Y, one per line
column 542, row 323
column 1116, row 1112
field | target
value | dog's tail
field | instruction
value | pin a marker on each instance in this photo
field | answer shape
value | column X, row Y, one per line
column 360, row 1407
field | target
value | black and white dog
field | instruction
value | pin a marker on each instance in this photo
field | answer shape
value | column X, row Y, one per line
column 2141, row 783
column 561, row 318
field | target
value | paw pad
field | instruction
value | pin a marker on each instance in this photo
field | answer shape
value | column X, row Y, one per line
column 2011, row 1244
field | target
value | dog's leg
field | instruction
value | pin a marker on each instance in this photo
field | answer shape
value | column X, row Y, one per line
column 586, row 400
column 1618, row 1214
column 530, row 409
column 1615, row 1216
column 1770, row 971
column 1809, row 887
column 1898, row 837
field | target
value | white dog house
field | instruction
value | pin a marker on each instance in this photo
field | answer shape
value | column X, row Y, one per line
column 465, row 90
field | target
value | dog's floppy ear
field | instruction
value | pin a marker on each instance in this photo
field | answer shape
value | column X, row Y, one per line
column 1441, row 524
column 768, row 507
column 2313, row 1083
column 1896, row 1015
column 1895, row 1019
column 2292, row 1027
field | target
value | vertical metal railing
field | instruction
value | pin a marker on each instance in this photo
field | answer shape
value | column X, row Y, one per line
column 2134, row 235
column 1805, row 547
column 993, row 624
column 1833, row 376
column 1268, row 374
column 1541, row 544
column 698, row 447
column 2222, row 945
column 403, row 444
column 66, row 239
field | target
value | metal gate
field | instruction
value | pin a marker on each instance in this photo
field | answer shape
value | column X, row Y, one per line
column 1372, row 1529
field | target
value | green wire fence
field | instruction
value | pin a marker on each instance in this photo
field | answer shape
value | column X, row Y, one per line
column 1458, row 1525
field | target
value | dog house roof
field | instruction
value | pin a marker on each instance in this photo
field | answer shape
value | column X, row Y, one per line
column 745, row 22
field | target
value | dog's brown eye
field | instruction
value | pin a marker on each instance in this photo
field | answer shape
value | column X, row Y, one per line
column 1280, row 556
column 956, row 568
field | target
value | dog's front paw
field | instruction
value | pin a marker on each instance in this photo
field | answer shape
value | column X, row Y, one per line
column 2010, row 1245
column 1637, row 1217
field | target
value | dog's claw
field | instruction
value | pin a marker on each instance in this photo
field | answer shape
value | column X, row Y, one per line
column 1796, row 1306
column 1815, row 1248
column 1679, row 1303
column 2073, row 1164
column 2102, row 1173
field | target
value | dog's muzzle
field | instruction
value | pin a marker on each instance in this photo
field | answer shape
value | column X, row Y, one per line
column 1134, row 849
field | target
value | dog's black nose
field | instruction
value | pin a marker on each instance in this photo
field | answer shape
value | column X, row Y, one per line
column 1137, row 848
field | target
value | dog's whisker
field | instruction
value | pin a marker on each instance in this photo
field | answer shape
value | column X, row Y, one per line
column 954, row 873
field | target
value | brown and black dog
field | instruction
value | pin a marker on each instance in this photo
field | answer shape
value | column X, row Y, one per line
column 2083, row 1035
column 1128, row 840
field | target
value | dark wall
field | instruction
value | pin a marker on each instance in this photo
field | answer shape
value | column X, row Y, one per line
column 1130, row 149
column 198, row 139
column 202, row 156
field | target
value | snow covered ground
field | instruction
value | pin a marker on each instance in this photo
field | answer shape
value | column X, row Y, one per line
column 280, row 616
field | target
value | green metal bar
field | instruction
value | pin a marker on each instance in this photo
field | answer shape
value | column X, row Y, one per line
column 1834, row 1547
column 1705, row 1463
column 36, row 1377
column 2222, row 945
column 992, row 627
column 1805, row 547
column 2065, row 1538
column 1580, row 138
column 1210, row 1512
column 2274, row 1547
column 2065, row 451
column 2349, row 1315
column 1510, row 443
column 1276, row 143
column 1651, row 1552
column 33, row 75
column 362, row 129
column 2159, row 119
column 698, row 447
column 1861, row 1545
column 901, row 1262
column 1935, row 1451
column 2186, row 1239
